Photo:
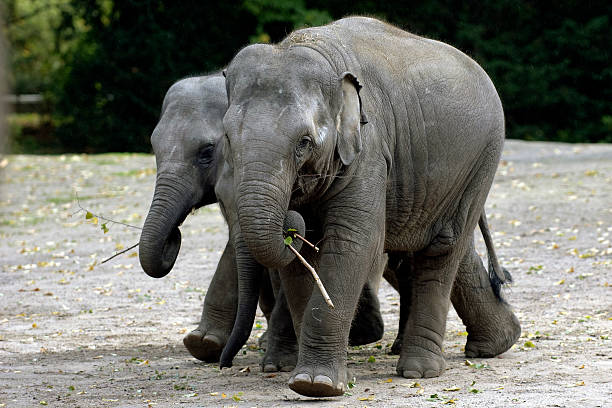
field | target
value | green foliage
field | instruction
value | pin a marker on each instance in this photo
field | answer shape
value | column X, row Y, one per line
column 104, row 65
column 37, row 45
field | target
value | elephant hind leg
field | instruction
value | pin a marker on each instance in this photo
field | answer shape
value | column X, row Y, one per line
column 368, row 325
column 491, row 325
column 281, row 347
column 426, row 294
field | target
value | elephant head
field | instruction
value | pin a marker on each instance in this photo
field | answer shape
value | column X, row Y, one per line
column 185, row 144
column 292, row 124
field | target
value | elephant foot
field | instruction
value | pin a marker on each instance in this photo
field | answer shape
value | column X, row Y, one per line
column 317, row 382
column 494, row 339
column 281, row 355
column 396, row 348
column 205, row 347
column 263, row 341
column 417, row 362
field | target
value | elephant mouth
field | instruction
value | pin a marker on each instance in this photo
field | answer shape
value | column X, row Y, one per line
column 158, row 262
column 171, row 249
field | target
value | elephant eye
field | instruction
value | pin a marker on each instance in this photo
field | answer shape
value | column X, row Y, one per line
column 205, row 155
column 304, row 143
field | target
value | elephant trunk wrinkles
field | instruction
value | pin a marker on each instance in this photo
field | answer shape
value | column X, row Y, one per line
column 160, row 239
column 262, row 208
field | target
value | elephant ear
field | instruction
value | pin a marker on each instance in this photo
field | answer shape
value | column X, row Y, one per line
column 349, row 120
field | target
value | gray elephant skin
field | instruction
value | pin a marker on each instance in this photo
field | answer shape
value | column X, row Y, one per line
column 384, row 142
column 189, row 160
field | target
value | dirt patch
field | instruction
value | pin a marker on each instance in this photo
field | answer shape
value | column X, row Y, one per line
column 77, row 333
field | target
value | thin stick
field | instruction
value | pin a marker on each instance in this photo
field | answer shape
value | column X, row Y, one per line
column 306, row 241
column 314, row 275
column 99, row 216
column 119, row 253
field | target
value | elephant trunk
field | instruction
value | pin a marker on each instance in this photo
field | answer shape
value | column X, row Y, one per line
column 160, row 239
column 264, row 221
column 249, row 278
column 262, row 211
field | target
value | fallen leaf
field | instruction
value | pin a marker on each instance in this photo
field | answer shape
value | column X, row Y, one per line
column 578, row 384
column 451, row 389
column 370, row 398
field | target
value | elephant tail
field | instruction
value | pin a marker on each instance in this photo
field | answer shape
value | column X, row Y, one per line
column 498, row 276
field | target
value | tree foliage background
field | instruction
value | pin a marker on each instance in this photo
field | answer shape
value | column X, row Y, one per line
column 104, row 65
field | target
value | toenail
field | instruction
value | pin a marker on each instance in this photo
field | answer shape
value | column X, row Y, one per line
column 323, row 379
column 302, row 377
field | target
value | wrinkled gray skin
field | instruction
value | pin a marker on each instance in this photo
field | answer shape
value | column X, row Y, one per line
column 402, row 165
column 201, row 102
column 186, row 145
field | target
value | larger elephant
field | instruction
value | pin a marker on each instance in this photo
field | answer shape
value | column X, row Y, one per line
column 385, row 141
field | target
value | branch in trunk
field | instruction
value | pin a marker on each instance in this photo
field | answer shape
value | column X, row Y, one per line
column 313, row 246
column 314, row 275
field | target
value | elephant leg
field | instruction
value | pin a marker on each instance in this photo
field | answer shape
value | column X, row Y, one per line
column 282, row 350
column 321, row 369
column 266, row 304
column 207, row 341
column 431, row 282
column 368, row 325
column 401, row 269
column 491, row 325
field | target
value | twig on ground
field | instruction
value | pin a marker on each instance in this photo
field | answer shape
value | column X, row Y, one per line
column 314, row 275
column 119, row 253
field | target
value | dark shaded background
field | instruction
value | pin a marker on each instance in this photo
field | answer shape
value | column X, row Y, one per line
column 103, row 66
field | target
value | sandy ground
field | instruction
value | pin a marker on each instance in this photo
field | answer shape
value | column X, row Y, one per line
column 77, row 333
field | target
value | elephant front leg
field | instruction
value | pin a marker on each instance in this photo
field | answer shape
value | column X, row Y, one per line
column 321, row 367
column 430, row 287
column 206, row 342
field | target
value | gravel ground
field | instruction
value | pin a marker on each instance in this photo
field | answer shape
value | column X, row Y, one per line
column 74, row 332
